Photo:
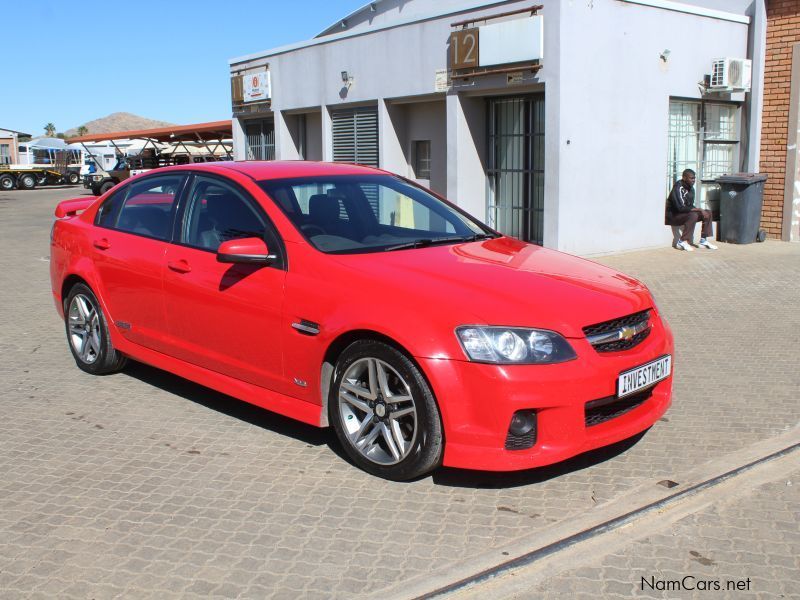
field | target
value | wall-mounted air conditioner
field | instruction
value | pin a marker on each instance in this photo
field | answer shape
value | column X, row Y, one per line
column 731, row 75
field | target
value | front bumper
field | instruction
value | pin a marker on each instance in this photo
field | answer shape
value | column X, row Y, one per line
column 477, row 402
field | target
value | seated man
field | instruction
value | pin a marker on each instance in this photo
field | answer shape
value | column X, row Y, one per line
column 680, row 211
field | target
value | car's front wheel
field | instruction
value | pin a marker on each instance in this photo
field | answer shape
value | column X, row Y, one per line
column 384, row 413
column 106, row 186
column 87, row 333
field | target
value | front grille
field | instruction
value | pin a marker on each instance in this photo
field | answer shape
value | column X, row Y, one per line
column 608, row 334
column 621, row 345
column 611, row 407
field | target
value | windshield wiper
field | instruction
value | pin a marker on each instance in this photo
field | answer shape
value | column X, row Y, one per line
column 421, row 243
column 424, row 242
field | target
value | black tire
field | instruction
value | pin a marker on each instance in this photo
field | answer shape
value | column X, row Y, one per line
column 73, row 178
column 26, row 181
column 7, row 183
column 100, row 358
column 105, row 187
column 425, row 445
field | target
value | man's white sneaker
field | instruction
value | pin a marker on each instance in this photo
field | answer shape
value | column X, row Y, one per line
column 706, row 244
column 685, row 246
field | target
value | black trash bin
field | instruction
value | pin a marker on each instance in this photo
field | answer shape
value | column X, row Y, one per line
column 740, row 199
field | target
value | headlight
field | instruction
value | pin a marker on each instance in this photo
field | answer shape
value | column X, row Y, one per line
column 514, row 345
column 97, row 177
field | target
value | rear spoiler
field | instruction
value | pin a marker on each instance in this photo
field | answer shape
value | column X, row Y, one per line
column 71, row 208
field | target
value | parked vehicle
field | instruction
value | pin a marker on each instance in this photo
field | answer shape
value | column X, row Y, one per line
column 55, row 164
column 140, row 161
column 346, row 296
column 26, row 178
column 102, row 181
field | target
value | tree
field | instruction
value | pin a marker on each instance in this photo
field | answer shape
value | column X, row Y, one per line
column 50, row 129
column 83, row 130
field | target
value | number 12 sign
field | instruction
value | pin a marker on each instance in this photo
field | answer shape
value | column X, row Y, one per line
column 464, row 49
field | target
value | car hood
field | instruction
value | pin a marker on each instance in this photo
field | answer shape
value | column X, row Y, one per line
column 506, row 282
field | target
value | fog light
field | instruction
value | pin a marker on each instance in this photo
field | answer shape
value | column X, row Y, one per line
column 522, row 422
column 522, row 430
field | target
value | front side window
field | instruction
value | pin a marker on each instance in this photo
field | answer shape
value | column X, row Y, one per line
column 216, row 213
column 149, row 206
column 352, row 214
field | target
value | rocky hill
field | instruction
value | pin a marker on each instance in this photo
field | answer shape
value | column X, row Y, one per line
column 120, row 121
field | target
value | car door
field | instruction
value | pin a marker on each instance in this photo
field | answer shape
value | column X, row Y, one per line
column 133, row 227
column 225, row 317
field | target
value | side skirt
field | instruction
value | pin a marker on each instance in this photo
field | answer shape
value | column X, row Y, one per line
column 262, row 397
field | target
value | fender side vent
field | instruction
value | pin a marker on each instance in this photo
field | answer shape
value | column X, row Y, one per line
column 306, row 327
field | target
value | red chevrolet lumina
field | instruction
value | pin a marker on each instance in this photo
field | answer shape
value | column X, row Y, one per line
column 346, row 296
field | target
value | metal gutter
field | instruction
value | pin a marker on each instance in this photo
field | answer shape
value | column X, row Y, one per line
column 368, row 6
column 693, row 10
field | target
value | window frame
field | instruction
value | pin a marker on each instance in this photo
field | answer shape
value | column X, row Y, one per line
column 126, row 191
column 272, row 237
column 419, row 170
column 705, row 106
column 706, row 189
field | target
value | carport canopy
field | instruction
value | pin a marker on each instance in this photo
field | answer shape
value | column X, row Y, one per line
column 213, row 131
column 216, row 132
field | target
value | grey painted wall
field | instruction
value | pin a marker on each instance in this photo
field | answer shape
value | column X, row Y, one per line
column 614, row 107
column 607, row 100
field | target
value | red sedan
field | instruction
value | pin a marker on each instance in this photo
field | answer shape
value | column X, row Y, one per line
column 346, row 296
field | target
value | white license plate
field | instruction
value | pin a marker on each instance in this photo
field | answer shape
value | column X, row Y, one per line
column 644, row 376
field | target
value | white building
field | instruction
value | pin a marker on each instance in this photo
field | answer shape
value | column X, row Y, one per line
column 563, row 125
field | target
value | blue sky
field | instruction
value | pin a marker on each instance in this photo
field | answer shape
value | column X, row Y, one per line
column 71, row 62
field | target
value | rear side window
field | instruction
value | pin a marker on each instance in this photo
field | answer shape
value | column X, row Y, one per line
column 107, row 214
column 149, row 207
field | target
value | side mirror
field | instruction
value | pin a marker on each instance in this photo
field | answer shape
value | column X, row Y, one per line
column 246, row 251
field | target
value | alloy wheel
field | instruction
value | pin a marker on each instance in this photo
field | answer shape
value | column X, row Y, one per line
column 84, row 328
column 377, row 411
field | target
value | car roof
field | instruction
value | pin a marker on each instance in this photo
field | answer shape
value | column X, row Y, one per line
column 262, row 170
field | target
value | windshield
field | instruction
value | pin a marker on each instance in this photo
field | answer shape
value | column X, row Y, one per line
column 370, row 213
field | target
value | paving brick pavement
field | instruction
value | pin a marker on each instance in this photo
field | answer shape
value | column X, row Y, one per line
column 746, row 547
column 143, row 484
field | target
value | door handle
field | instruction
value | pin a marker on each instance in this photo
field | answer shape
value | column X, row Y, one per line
column 102, row 244
column 181, row 266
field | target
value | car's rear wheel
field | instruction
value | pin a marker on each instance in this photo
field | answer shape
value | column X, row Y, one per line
column 26, row 181
column 384, row 413
column 7, row 183
column 87, row 333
